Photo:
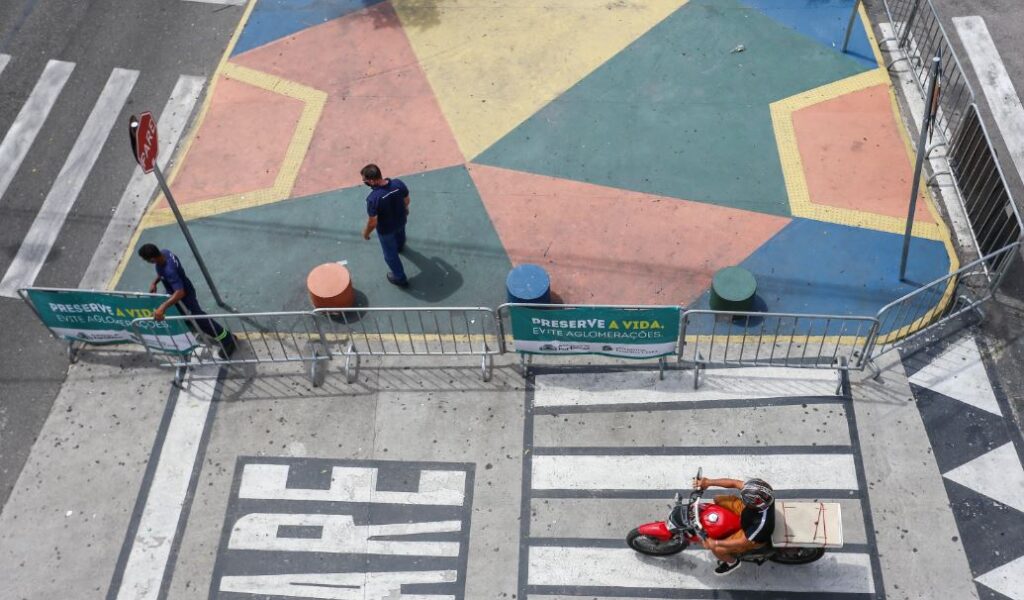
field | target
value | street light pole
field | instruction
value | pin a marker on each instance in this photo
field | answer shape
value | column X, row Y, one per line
column 922, row 140
column 188, row 235
column 849, row 25
column 142, row 131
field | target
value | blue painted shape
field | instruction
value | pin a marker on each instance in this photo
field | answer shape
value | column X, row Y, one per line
column 528, row 283
column 274, row 19
column 811, row 267
column 821, row 20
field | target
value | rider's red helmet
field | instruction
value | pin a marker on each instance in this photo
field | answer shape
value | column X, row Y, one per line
column 757, row 494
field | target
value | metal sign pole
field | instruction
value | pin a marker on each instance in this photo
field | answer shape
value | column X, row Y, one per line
column 188, row 235
column 922, row 140
column 849, row 25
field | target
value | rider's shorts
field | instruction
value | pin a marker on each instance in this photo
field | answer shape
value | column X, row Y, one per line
column 736, row 505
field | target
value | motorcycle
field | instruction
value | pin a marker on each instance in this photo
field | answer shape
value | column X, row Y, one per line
column 803, row 530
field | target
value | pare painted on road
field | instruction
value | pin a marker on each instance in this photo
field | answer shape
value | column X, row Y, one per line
column 345, row 529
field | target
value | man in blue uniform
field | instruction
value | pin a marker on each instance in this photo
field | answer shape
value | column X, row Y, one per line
column 387, row 208
column 170, row 272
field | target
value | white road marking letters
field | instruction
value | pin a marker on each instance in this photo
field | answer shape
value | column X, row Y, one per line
column 337, row 586
column 338, row 533
column 425, row 519
column 353, row 484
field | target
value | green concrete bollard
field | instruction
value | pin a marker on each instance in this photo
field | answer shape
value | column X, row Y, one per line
column 733, row 288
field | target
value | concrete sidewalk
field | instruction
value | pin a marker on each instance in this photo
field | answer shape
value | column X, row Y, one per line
column 222, row 487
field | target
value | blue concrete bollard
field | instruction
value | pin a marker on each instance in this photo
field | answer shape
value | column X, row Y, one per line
column 528, row 284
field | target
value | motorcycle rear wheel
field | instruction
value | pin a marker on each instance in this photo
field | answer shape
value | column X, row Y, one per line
column 796, row 556
column 645, row 544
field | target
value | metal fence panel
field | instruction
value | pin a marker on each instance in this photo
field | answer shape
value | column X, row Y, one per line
column 429, row 331
column 274, row 337
column 730, row 338
column 925, row 308
column 921, row 36
column 995, row 221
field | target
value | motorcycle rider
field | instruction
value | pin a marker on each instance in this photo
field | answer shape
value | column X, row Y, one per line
column 755, row 507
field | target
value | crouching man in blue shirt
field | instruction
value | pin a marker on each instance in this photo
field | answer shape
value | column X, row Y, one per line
column 170, row 272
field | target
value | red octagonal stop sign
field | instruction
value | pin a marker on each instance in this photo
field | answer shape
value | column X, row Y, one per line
column 144, row 141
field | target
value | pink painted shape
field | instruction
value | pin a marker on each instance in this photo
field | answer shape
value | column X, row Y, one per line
column 854, row 156
column 240, row 145
column 380, row 108
column 610, row 246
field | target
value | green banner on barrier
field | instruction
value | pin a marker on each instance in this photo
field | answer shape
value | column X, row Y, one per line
column 621, row 332
column 96, row 317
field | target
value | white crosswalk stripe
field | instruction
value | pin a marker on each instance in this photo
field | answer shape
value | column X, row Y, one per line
column 1006, row 106
column 50, row 219
column 141, row 187
column 30, row 119
column 607, row 450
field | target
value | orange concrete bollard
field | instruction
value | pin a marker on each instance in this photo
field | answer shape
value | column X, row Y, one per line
column 330, row 286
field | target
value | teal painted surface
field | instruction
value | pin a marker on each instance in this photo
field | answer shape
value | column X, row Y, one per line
column 678, row 113
column 260, row 257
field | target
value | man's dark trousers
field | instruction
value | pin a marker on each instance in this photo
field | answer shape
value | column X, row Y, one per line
column 208, row 326
column 391, row 244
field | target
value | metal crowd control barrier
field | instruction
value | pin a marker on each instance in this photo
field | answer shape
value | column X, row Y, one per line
column 730, row 338
column 920, row 35
column 460, row 331
column 991, row 211
column 276, row 337
column 993, row 216
column 946, row 298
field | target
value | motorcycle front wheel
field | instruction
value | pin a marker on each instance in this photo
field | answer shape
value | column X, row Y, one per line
column 797, row 556
column 645, row 544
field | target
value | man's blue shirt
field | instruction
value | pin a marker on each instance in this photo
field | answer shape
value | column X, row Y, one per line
column 172, row 275
column 387, row 203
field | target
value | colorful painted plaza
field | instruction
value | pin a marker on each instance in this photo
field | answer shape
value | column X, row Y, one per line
column 631, row 149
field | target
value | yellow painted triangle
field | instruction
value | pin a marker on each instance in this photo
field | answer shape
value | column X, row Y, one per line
column 493, row 64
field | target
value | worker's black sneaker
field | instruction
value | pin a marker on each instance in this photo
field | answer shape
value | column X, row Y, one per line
column 725, row 568
column 399, row 282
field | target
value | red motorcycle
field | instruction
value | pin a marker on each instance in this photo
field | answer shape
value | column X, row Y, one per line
column 803, row 530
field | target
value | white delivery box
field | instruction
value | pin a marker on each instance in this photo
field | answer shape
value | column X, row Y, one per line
column 807, row 524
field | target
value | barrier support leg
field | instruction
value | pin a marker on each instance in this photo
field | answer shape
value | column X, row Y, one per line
column 73, row 348
column 317, row 372
column 661, row 368
column 487, row 367
column 351, row 364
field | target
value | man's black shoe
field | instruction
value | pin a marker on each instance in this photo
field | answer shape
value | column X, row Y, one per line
column 400, row 283
column 725, row 568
